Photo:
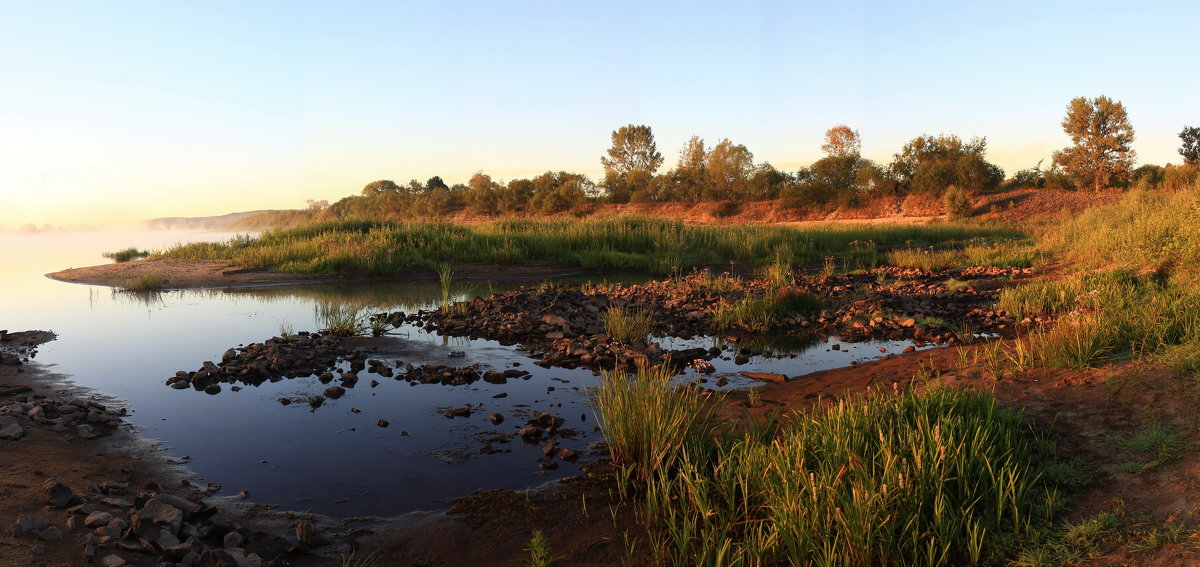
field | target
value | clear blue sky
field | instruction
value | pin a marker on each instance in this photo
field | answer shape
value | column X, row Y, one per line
column 128, row 110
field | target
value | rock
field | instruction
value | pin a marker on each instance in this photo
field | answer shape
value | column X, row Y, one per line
column 57, row 494
column 97, row 519
column 166, row 540
column 307, row 533
column 212, row 389
column 335, row 392
column 234, row 539
column 10, row 428
column 765, row 376
column 29, row 526
column 85, row 431
column 51, row 533
column 113, row 560
column 382, row 422
column 496, row 418
column 909, row 349
column 154, row 516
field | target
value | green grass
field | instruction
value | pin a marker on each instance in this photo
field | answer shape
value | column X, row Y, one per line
column 538, row 549
column 126, row 255
column 628, row 325
column 1006, row 255
column 1157, row 445
column 145, row 283
column 754, row 313
column 936, row 478
column 618, row 243
column 341, row 319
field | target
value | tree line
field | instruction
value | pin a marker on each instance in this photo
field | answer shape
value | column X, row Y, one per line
column 941, row 166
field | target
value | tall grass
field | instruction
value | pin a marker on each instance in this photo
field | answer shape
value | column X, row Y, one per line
column 937, row 478
column 628, row 325
column 1005, row 255
column 618, row 243
column 341, row 319
column 145, row 283
column 758, row 313
column 648, row 422
column 126, row 255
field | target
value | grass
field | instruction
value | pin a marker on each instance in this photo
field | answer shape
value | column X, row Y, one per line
column 1159, row 444
column 341, row 319
column 614, row 244
column 538, row 549
column 935, row 478
column 628, row 325
column 126, row 255
column 1005, row 254
column 757, row 313
column 145, row 283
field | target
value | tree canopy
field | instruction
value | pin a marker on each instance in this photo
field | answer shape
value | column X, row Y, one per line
column 841, row 141
column 1100, row 130
column 931, row 164
column 1191, row 144
column 631, row 162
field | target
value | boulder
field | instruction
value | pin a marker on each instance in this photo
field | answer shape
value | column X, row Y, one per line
column 10, row 428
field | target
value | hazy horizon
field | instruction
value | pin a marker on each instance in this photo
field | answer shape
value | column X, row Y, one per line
column 121, row 112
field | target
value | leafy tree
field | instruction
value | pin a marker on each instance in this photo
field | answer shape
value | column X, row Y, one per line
column 435, row 182
column 728, row 167
column 841, row 141
column 631, row 162
column 1148, row 176
column 555, row 192
column 515, row 196
column 1191, row 145
column 1100, row 129
column 930, row 164
column 380, row 187
column 483, row 193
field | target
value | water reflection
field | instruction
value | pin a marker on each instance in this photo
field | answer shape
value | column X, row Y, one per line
column 338, row 459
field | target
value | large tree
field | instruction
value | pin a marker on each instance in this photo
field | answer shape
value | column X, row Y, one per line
column 728, row 167
column 1100, row 130
column 1191, row 144
column 931, row 164
column 631, row 162
column 841, row 141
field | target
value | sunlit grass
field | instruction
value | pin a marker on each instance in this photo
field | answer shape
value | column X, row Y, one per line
column 145, row 283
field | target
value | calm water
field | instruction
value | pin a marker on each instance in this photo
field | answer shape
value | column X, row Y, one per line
column 330, row 460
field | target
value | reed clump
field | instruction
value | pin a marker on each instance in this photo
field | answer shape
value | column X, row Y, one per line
column 145, row 283
column 121, row 256
column 943, row 477
column 629, row 325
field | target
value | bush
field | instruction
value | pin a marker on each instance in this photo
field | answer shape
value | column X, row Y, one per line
column 957, row 203
column 726, row 209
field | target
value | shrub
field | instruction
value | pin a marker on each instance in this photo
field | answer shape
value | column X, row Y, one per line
column 146, row 282
column 957, row 203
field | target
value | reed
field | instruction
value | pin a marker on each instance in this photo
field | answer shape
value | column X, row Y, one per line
column 936, row 478
column 628, row 325
column 341, row 319
column 126, row 255
column 145, row 283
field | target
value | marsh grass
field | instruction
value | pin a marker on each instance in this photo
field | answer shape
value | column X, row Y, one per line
column 648, row 422
column 126, row 255
column 145, row 283
column 1019, row 254
column 1072, row 544
column 618, row 243
column 628, row 325
column 341, row 319
column 757, row 313
column 934, row 478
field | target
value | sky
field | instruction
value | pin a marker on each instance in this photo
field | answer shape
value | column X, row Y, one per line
column 118, row 111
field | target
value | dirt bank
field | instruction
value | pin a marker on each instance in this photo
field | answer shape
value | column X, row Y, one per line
column 178, row 274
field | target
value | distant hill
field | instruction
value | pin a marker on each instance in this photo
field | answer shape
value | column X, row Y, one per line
column 221, row 222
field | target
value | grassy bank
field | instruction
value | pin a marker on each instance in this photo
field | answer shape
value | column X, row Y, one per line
column 617, row 244
column 936, row 478
column 1135, row 288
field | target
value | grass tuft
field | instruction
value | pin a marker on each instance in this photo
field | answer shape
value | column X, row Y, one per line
column 126, row 255
column 145, row 283
column 628, row 325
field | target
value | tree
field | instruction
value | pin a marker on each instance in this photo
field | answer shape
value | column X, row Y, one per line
column 728, row 167
column 930, row 164
column 380, row 187
column 631, row 162
column 1191, row 145
column 1100, row 130
column 841, row 141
